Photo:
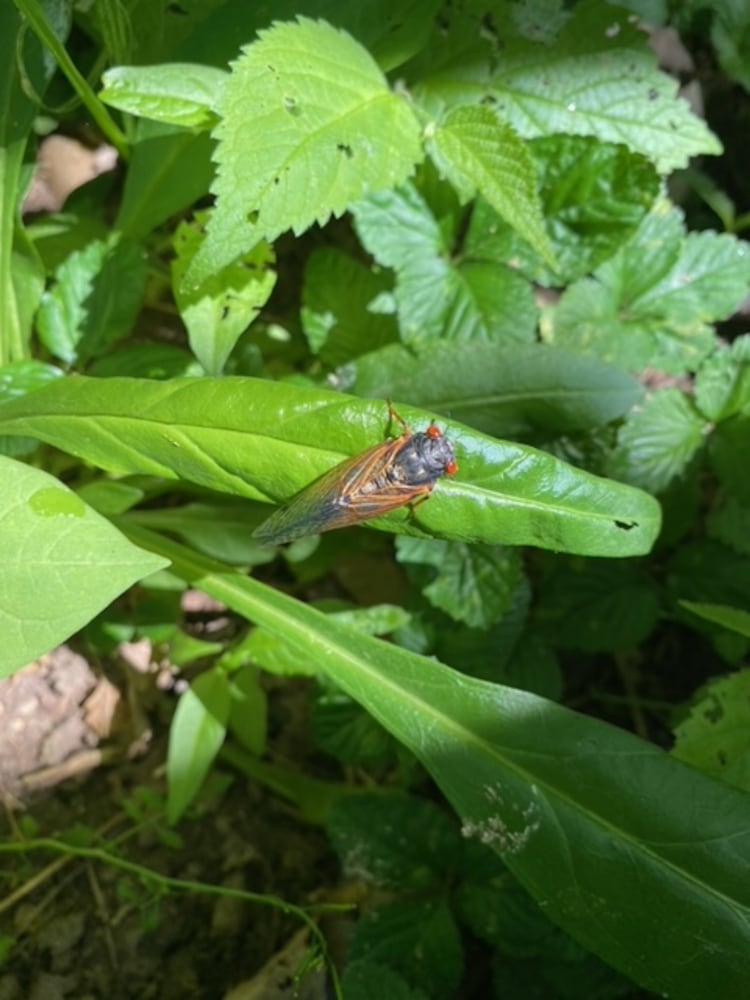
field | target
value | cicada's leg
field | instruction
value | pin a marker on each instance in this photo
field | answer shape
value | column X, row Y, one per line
column 392, row 415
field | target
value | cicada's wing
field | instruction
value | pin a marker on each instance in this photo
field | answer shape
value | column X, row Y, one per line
column 352, row 491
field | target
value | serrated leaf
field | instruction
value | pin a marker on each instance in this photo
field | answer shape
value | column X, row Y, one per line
column 94, row 301
column 339, row 307
column 593, row 195
column 722, row 386
column 472, row 584
column 20, row 377
column 657, row 441
column 218, row 313
column 597, row 78
column 344, row 730
column 264, row 440
column 654, row 303
column 505, row 391
column 716, row 736
column 598, row 606
column 195, row 737
column 62, row 564
column 181, row 94
column 394, row 841
column 479, row 154
column 308, row 126
column 418, row 938
column 438, row 296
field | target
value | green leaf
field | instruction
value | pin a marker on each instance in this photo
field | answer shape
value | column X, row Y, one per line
column 730, row 523
column 394, row 841
column 722, row 386
column 730, row 35
column 479, row 154
column 175, row 93
column 716, row 735
column 25, row 376
column 601, row 606
column 227, row 434
column 21, row 273
column 727, row 442
column 365, row 980
column 195, row 737
column 248, row 711
column 94, row 301
column 218, row 313
column 343, row 729
column 308, row 125
column 169, row 169
column 62, row 564
column 473, row 584
column 341, row 314
column 598, row 78
column 654, row 303
column 470, row 299
column 508, row 391
column 585, row 815
column 593, row 195
column 730, row 618
column 657, row 441
column 419, row 939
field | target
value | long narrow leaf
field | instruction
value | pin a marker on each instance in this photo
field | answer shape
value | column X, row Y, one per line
column 267, row 440
column 590, row 818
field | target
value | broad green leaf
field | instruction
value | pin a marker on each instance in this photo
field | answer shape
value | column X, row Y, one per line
column 219, row 529
column 417, row 937
column 598, row 78
column 593, row 195
column 169, row 169
column 343, row 729
column 473, row 584
column 341, row 315
column 479, row 154
column 195, row 737
column 96, row 296
column 597, row 606
column 727, row 443
column 715, row 737
column 730, row 34
column 308, row 125
column 62, row 564
column 501, row 390
column 394, row 841
column 175, row 93
column 657, row 441
column 367, row 980
column 722, row 386
column 472, row 299
column 218, row 313
column 585, row 815
column 146, row 359
column 267, row 440
column 654, row 303
column 730, row 523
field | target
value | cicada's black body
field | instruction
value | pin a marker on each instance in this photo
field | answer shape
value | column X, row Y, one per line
column 383, row 478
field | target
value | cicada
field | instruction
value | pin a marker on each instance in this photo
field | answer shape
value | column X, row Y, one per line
column 389, row 475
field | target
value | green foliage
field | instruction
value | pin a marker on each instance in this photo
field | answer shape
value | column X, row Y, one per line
column 464, row 209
